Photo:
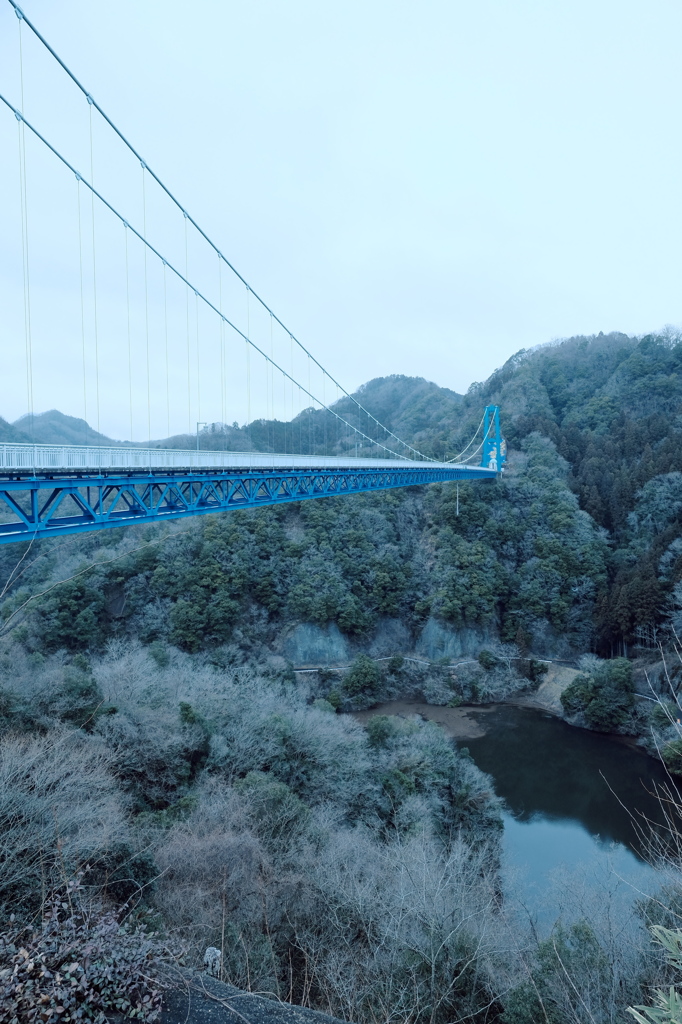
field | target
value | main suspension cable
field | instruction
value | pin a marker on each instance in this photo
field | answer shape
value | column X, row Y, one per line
column 20, row 14
column 112, row 209
column 457, row 457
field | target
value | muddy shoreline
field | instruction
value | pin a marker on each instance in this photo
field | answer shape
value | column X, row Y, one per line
column 457, row 723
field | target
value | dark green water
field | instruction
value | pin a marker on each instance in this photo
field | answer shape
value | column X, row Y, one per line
column 570, row 795
column 545, row 769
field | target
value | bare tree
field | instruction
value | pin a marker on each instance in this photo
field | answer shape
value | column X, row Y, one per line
column 59, row 809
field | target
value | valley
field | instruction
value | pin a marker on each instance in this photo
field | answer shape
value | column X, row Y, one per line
column 243, row 723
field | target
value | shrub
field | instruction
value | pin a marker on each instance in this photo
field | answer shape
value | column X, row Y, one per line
column 188, row 715
column 573, row 978
column 672, row 757
column 59, row 808
column 577, row 695
column 363, row 677
column 159, row 653
column 154, row 759
column 80, row 965
column 605, row 697
column 668, row 1006
column 536, row 670
column 77, row 701
column 275, row 811
column 324, row 705
column 664, row 713
column 379, row 729
column 487, row 660
column 73, row 616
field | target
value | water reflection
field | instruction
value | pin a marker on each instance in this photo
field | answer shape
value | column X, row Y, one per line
column 548, row 771
column 570, row 795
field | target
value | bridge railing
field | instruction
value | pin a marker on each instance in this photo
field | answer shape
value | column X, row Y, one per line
column 26, row 458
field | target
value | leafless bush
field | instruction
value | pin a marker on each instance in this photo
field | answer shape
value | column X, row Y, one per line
column 59, row 808
column 410, row 932
column 332, row 917
column 217, row 886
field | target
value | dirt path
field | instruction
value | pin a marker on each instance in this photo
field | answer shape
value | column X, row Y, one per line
column 548, row 694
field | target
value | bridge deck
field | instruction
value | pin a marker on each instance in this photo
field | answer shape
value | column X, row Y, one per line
column 48, row 490
column 43, row 458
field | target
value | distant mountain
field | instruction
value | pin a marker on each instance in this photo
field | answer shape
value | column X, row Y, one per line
column 8, row 433
column 420, row 412
column 415, row 409
column 408, row 406
column 56, row 427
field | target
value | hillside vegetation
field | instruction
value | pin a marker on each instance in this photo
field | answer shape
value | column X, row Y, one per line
column 576, row 548
column 160, row 758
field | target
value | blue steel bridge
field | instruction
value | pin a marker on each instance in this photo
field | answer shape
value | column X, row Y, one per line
column 169, row 314
column 50, row 490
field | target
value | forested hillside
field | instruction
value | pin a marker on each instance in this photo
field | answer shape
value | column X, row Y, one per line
column 611, row 405
column 156, row 746
column 577, row 548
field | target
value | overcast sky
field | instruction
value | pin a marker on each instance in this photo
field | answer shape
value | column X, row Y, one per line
column 419, row 188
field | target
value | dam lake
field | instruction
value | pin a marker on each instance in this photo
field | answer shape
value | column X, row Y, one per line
column 572, row 799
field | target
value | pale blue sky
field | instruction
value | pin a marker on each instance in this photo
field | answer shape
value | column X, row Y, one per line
column 415, row 188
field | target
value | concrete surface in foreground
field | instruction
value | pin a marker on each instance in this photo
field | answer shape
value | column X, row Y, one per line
column 204, row 1000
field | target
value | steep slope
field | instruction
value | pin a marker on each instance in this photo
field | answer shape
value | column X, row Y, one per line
column 612, row 405
column 10, row 433
column 579, row 546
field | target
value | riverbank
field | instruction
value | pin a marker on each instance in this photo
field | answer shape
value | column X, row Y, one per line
column 458, row 723
column 570, row 796
column 547, row 697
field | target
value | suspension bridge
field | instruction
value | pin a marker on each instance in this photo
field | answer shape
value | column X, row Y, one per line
column 155, row 328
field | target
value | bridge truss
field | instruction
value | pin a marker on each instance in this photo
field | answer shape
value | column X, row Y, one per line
column 50, row 504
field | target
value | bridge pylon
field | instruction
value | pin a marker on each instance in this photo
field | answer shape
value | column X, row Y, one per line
column 494, row 453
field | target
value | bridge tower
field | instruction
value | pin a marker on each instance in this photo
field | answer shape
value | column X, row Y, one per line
column 494, row 453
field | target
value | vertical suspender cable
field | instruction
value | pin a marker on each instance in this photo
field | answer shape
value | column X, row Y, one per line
column 80, row 254
column 189, row 398
column 248, row 369
column 165, row 331
column 28, row 342
column 146, row 313
column 271, row 377
column 196, row 325
column 310, row 416
column 94, row 268
column 221, row 340
column 291, row 342
column 130, row 350
column 284, row 411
